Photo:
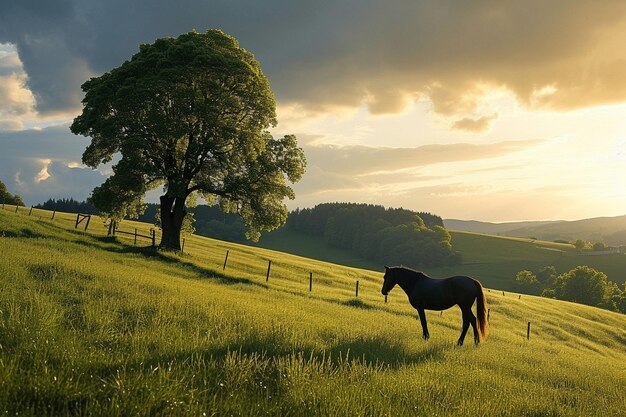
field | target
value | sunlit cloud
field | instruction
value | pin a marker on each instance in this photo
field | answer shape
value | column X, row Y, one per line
column 479, row 124
column 422, row 104
column 43, row 174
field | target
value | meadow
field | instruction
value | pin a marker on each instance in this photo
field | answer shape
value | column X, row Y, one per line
column 494, row 260
column 94, row 325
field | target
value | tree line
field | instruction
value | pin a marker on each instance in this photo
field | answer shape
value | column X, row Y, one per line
column 582, row 284
column 394, row 235
column 67, row 205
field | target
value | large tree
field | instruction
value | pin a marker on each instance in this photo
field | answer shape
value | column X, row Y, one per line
column 190, row 113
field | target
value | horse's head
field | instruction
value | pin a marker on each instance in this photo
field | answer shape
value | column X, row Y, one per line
column 389, row 280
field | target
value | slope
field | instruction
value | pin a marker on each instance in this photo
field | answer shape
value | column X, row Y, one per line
column 90, row 325
column 609, row 230
column 489, row 228
column 494, row 260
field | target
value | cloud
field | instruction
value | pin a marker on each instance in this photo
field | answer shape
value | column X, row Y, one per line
column 363, row 173
column 328, row 55
column 475, row 125
column 38, row 165
column 362, row 160
column 17, row 102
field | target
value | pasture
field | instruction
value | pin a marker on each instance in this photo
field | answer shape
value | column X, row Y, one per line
column 494, row 260
column 93, row 325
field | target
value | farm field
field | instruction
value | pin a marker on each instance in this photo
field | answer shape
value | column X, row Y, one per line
column 494, row 260
column 93, row 325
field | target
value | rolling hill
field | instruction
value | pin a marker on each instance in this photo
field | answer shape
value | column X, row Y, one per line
column 609, row 230
column 94, row 325
column 493, row 259
column 489, row 228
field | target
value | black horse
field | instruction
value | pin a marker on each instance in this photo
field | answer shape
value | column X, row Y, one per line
column 426, row 293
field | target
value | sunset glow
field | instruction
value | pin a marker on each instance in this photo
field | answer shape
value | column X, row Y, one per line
column 508, row 116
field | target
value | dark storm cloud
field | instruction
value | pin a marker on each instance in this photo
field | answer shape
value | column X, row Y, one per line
column 325, row 54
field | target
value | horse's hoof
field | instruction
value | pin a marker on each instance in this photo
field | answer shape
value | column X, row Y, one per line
column 426, row 336
column 459, row 343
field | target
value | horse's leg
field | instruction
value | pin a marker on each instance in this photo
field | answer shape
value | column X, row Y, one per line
column 472, row 320
column 466, row 323
column 422, row 315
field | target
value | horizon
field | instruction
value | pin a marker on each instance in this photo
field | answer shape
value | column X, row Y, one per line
column 508, row 117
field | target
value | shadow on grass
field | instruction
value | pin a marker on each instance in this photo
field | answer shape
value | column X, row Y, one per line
column 355, row 302
column 269, row 353
column 151, row 253
column 23, row 233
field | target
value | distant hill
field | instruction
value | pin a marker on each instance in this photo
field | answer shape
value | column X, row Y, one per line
column 488, row 228
column 609, row 230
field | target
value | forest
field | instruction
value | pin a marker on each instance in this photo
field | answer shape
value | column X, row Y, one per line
column 394, row 236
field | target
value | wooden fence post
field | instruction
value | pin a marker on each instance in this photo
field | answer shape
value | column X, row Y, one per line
column 77, row 217
column 135, row 237
column 503, row 293
column 31, row 210
column 310, row 281
column 88, row 220
column 53, row 213
column 225, row 260
column 267, row 276
column 153, row 237
column 528, row 332
column 357, row 288
column 488, row 311
column 110, row 231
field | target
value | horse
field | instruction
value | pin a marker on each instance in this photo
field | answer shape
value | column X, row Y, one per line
column 426, row 293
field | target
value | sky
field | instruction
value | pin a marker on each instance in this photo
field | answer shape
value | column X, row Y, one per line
column 488, row 110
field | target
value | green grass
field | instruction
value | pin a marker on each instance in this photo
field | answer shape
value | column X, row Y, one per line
column 494, row 260
column 92, row 326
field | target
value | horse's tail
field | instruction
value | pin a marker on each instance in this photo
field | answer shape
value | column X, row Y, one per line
column 481, row 312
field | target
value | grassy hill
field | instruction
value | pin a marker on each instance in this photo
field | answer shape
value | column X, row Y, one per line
column 489, row 228
column 493, row 259
column 609, row 230
column 91, row 325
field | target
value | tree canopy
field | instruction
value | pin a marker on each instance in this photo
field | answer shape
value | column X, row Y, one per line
column 190, row 113
column 392, row 236
column 7, row 198
column 582, row 285
column 527, row 282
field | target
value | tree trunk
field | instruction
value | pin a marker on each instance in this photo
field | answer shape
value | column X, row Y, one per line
column 172, row 215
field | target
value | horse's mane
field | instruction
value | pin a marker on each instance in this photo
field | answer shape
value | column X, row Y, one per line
column 417, row 274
